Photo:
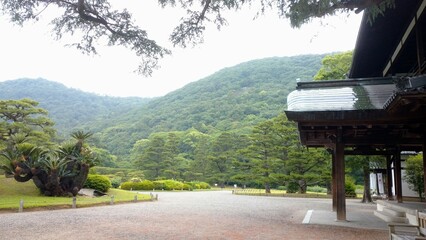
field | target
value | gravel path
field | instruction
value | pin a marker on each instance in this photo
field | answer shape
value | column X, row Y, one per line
column 183, row 215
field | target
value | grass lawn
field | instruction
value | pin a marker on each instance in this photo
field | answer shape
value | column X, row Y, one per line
column 12, row 192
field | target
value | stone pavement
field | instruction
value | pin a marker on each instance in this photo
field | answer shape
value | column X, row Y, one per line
column 358, row 215
column 196, row 215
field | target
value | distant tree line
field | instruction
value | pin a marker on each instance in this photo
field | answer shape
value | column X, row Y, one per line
column 270, row 156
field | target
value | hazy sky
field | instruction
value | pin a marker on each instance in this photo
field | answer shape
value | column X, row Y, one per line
column 32, row 52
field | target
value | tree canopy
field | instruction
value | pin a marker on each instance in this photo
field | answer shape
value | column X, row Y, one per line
column 335, row 66
column 97, row 21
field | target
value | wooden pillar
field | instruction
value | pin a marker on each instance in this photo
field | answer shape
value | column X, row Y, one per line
column 398, row 180
column 389, row 177
column 333, row 180
column 340, row 178
column 424, row 162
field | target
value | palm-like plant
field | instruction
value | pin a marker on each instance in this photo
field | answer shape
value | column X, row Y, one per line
column 80, row 136
column 7, row 158
column 52, row 163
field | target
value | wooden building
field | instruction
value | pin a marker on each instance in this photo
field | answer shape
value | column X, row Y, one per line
column 381, row 108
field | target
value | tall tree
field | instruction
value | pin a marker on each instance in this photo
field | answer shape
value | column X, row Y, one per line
column 176, row 164
column 199, row 167
column 152, row 160
column 262, row 154
column 223, row 154
column 335, row 66
column 96, row 20
column 26, row 118
column 414, row 174
column 306, row 166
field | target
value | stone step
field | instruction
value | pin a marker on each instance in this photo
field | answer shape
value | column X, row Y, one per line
column 388, row 218
column 393, row 212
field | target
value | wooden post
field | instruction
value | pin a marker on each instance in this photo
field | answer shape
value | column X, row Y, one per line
column 21, row 205
column 112, row 200
column 398, row 180
column 74, row 202
column 136, row 198
column 424, row 161
column 333, row 181
column 389, row 177
column 340, row 177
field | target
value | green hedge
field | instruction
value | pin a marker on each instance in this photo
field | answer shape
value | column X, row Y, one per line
column 144, row 185
column 199, row 185
column 164, row 185
column 98, row 182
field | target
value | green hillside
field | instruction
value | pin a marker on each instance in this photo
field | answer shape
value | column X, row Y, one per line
column 232, row 99
column 68, row 108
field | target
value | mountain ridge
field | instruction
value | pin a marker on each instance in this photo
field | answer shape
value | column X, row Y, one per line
column 232, row 99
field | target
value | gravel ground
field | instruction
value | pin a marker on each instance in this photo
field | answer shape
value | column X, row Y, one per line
column 183, row 215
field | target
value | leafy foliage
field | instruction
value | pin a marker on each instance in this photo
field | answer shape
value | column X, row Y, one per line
column 414, row 174
column 29, row 154
column 96, row 21
column 335, row 66
column 25, row 121
column 98, row 182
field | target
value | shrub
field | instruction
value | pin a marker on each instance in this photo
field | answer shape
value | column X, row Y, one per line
column 97, row 182
column 144, row 185
column 187, row 186
column 126, row 185
column 282, row 188
column 159, row 185
column 317, row 189
column 204, row 185
column 171, row 184
column 116, row 182
column 199, row 185
column 350, row 187
column 292, row 187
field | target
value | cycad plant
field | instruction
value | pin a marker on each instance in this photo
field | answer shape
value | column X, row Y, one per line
column 57, row 172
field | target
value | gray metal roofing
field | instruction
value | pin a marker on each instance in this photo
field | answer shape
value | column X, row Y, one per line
column 354, row 96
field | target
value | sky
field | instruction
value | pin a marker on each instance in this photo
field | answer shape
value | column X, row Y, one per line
column 32, row 52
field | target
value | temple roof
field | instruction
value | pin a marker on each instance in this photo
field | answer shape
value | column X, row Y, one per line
column 341, row 95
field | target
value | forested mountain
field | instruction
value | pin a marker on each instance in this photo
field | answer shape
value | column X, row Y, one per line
column 232, row 99
column 68, row 108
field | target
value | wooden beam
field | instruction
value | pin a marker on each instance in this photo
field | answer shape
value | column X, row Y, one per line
column 340, row 178
column 369, row 152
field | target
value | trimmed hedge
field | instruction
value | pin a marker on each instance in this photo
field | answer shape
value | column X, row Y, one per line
column 164, row 185
column 144, row 185
column 170, row 184
column 98, row 182
column 199, row 185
